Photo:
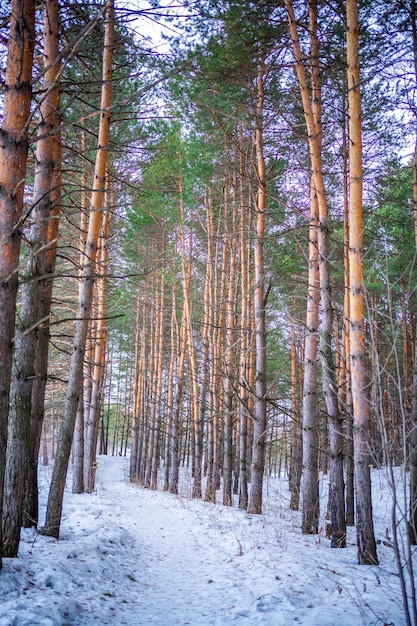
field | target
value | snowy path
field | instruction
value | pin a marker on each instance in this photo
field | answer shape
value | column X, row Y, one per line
column 129, row 556
column 181, row 575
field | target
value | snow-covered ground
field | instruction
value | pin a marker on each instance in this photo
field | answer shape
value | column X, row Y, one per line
column 127, row 555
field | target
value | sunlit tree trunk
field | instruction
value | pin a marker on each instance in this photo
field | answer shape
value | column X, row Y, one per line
column 364, row 521
column 56, row 493
column 259, row 414
column 313, row 114
column 345, row 390
column 13, row 158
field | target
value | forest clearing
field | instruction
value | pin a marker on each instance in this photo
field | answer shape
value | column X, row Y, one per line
column 208, row 246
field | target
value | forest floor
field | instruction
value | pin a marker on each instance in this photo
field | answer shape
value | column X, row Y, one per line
column 131, row 556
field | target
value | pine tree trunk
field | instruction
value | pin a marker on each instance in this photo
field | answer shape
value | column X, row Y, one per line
column 176, row 410
column 24, row 434
column 345, row 381
column 13, row 158
column 98, row 362
column 160, row 314
column 78, row 482
column 244, row 346
column 296, row 460
column 170, row 391
column 313, row 115
column 259, row 415
column 138, row 389
column 364, row 521
column 56, row 492
column 412, row 524
column 310, row 476
column 230, row 241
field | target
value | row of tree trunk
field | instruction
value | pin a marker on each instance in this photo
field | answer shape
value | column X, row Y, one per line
column 23, row 389
column 244, row 377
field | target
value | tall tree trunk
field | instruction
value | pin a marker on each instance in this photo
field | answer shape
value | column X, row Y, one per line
column 244, row 343
column 21, row 462
column 56, row 492
column 217, row 325
column 150, row 414
column 312, row 113
column 78, row 483
column 259, row 415
column 296, row 460
column 160, row 315
column 170, row 390
column 310, row 477
column 364, row 521
column 336, row 480
column 13, row 158
column 207, row 318
column 176, row 408
column 231, row 242
column 412, row 525
column 98, row 361
column 138, row 388
column 345, row 387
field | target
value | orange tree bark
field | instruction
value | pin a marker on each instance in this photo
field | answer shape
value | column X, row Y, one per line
column 56, row 492
column 364, row 522
column 312, row 115
column 23, row 441
column 13, row 158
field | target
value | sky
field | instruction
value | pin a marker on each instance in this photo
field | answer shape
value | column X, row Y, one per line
column 127, row 555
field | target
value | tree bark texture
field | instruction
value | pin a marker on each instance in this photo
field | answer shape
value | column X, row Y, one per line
column 98, row 364
column 364, row 521
column 310, row 472
column 56, row 492
column 259, row 416
column 296, row 459
column 412, row 524
column 312, row 114
column 13, row 158
column 36, row 293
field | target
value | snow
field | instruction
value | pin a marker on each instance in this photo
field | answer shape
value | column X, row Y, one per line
column 127, row 555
